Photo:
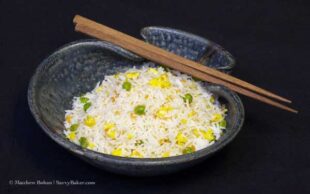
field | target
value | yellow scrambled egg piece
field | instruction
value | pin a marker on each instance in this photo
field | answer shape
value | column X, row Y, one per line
column 91, row 145
column 166, row 154
column 153, row 71
column 217, row 118
column 183, row 121
column 111, row 133
column 71, row 136
column 192, row 113
column 208, row 135
column 107, row 126
column 132, row 75
column 90, row 121
column 133, row 116
column 136, row 154
column 181, row 139
column 196, row 132
column 99, row 89
column 129, row 136
column 69, row 118
column 163, row 111
column 117, row 152
column 161, row 81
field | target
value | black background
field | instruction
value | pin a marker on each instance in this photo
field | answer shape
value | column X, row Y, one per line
column 270, row 40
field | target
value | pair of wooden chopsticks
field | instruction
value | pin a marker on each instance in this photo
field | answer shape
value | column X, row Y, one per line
column 176, row 62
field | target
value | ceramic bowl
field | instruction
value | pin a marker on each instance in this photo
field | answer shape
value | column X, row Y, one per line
column 75, row 69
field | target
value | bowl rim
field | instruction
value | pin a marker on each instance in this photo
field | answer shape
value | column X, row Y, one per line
column 204, row 40
column 76, row 149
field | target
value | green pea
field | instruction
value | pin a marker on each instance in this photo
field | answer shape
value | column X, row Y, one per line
column 188, row 150
column 197, row 79
column 83, row 142
column 126, row 85
column 188, row 98
column 140, row 110
column 86, row 106
column 84, row 99
column 165, row 68
column 223, row 123
column 212, row 99
column 74, row 127
column 139, row 142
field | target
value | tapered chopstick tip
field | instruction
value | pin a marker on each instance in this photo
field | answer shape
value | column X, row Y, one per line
column 290, row 109
column 286, row 100
column 295, row 111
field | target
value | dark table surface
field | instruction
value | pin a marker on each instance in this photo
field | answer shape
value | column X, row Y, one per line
column 270, row 40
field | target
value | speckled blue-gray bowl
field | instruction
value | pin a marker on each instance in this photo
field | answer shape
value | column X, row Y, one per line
column 75, row 69
column 190, row 46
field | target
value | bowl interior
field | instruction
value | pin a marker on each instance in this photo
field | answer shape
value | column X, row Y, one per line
column 77, row 67
column 72, row 71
